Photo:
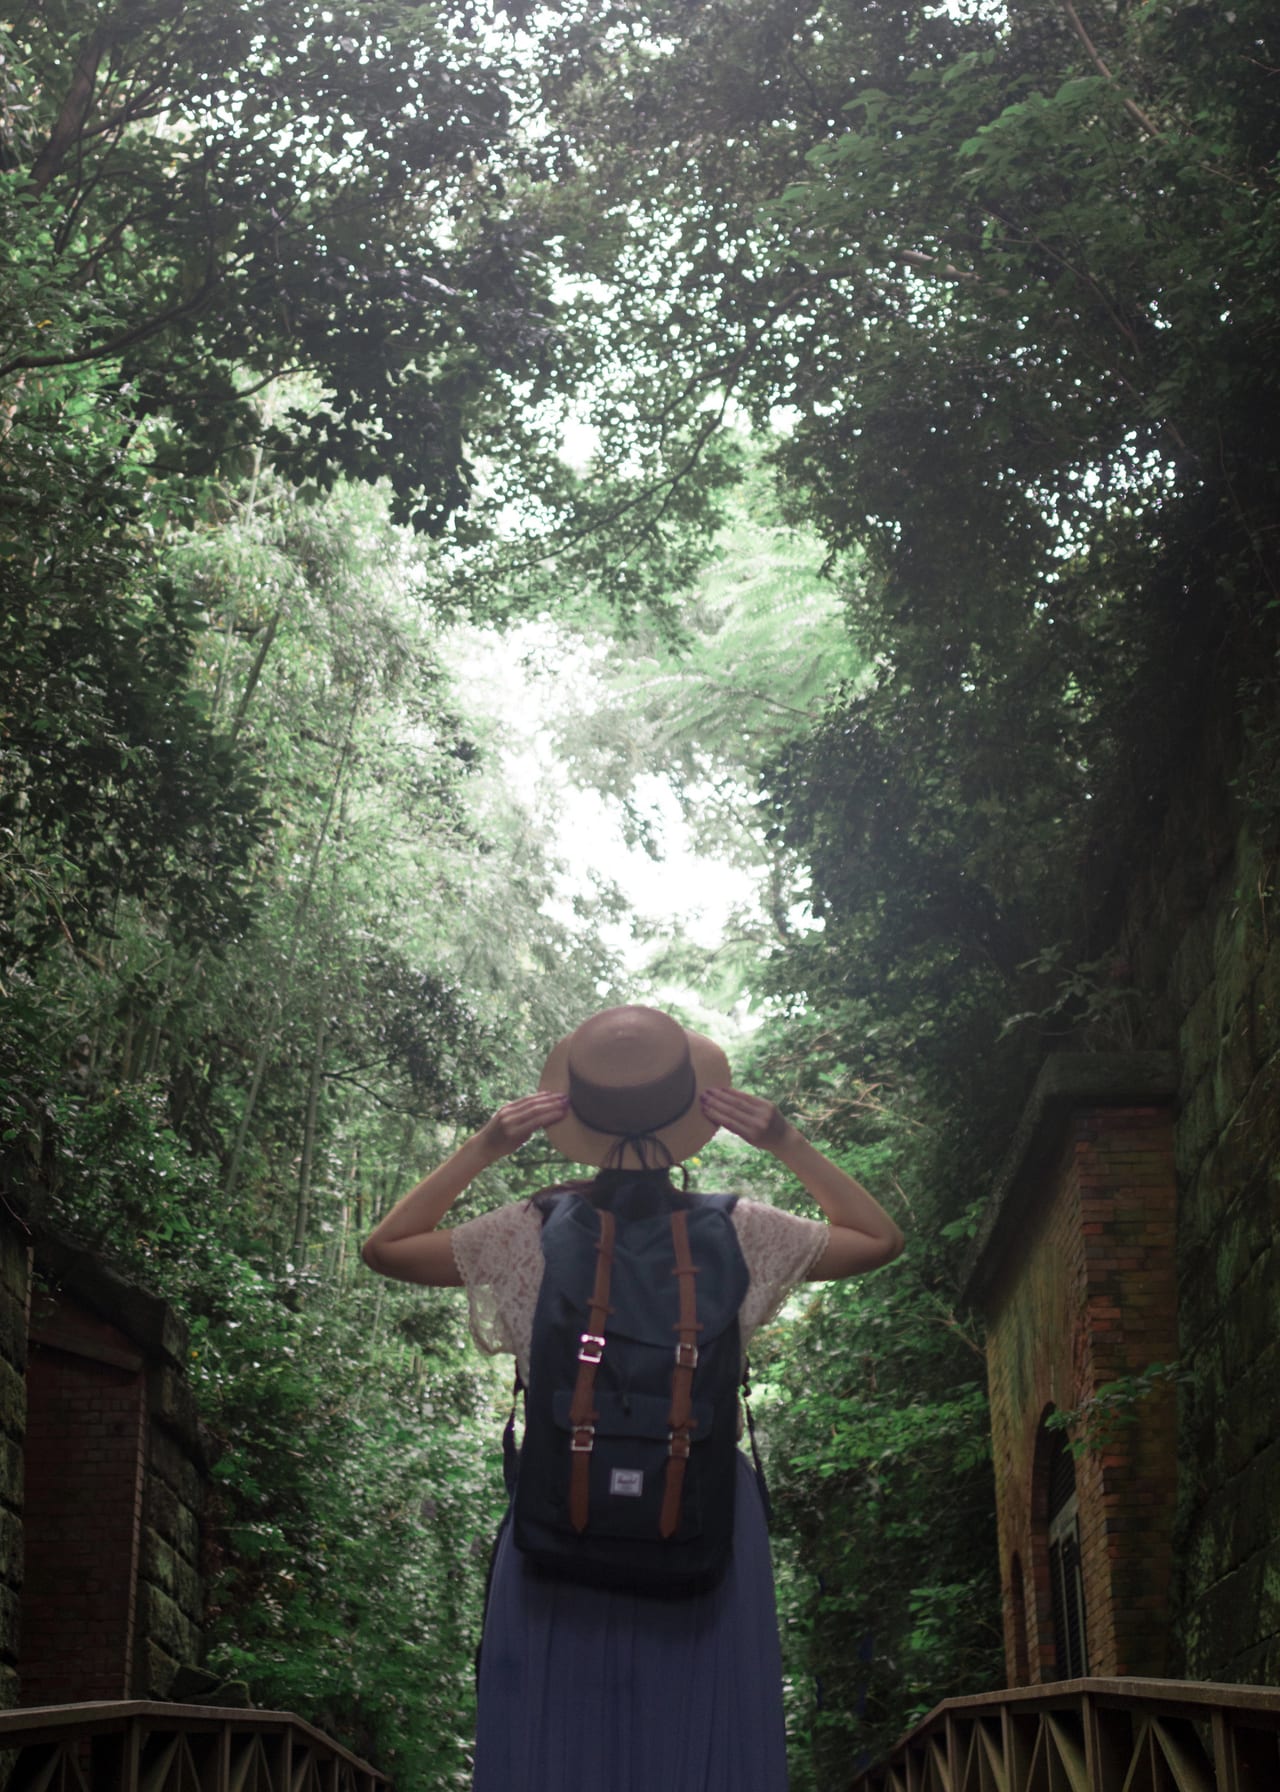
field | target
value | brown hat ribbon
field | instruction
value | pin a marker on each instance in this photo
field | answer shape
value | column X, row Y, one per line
column 636, row 1109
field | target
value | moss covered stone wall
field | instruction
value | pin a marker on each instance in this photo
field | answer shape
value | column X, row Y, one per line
column 14, row 1280
column 1203, row 932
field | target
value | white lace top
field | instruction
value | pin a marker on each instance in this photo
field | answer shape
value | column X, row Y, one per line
column 499, row 1257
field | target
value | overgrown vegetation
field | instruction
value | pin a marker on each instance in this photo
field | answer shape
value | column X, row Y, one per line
column 992, row 290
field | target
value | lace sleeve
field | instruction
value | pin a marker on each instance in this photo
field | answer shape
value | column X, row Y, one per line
column 499, row 1257
column 780, row 1249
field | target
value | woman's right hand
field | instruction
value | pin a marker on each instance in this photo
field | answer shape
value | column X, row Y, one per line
column 751, row 1117
column 517, row 1122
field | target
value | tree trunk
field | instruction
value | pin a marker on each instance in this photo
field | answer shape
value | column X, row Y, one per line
column 75, row 110
column 255, row 672
column 303, row 1209
column 269, row 1039
column 349, row 1207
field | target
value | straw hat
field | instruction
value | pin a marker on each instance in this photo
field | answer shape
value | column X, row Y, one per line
column 633, row 1076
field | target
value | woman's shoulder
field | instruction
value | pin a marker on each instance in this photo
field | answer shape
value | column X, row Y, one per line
column 780, row 1250
column 753, row 1215
column 513, row 1216
column 485, row 1246
column 779, row 1246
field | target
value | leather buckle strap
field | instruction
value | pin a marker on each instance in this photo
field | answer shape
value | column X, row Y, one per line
column 582, row 1413
column 680, row 1419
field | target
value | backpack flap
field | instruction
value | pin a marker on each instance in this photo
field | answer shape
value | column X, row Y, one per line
column 628, row 1463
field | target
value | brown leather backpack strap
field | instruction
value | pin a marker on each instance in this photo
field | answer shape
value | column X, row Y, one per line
column 680, row 1420
column 582, row 1412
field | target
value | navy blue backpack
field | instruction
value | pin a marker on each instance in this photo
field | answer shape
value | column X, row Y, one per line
column 626, row 1472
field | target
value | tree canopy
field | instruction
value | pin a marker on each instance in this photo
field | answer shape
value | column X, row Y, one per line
column 226, row 195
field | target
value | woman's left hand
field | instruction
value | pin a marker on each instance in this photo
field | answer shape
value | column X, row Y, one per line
column 749, row 1116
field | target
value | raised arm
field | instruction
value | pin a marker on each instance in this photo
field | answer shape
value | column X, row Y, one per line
column 405, row 1244
column 862, row 1236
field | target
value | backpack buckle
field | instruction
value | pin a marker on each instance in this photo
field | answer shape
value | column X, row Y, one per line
column 576, row 1440
column 686, row 1356
column 590, row 1347
column 678, row 1444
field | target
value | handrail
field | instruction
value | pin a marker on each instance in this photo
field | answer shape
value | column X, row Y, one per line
column 1091, row 1736
column 144, row 1745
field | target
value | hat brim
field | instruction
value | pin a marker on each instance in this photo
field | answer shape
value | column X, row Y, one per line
column 682, row 1138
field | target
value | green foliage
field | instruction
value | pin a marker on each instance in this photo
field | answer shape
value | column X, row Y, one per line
column 351, row 1591
column 269, row 944
column 1102, row 1418
column 261, row 190
column 761, row 639
column 761, row 643
column 875, row 1424
column 995, row 288
column 353, row 1450
column 872, row 1400
column 1015, row 309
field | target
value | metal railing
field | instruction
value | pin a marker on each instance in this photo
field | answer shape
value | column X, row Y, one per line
column 1123, row 1735
column 141, row 1746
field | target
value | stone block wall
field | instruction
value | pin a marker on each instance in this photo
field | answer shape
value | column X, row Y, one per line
column 170, row 1587
column 14, row 1283
column 1202, row 929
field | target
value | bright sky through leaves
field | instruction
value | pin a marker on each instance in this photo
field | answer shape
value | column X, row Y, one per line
column 512, row 683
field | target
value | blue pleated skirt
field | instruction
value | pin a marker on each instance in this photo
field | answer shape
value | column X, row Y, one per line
column 580, row 1687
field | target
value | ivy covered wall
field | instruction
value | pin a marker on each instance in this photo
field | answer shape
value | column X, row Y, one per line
column 1200, row 930
column 13, row 1425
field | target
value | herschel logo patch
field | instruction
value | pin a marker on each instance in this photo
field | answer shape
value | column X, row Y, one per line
column 627, row 1481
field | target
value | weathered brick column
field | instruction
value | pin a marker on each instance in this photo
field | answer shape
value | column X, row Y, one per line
column 116, row 1474
column 1075, row 1274
column 86, row 1449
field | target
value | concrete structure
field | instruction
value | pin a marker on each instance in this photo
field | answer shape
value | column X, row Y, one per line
column 102, row 1482
column 1075, row 1273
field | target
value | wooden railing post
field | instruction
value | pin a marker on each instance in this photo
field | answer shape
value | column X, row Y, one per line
column 145, row 1746
column 1108, row 1738
column 1092, row 1735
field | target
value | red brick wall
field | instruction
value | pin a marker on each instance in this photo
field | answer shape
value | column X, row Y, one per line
column 84, row 1459
column 1084, row 1296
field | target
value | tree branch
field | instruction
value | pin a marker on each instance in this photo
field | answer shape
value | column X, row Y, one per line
column 75, row 109
column 1131, row 107
column 929, row 264
column 117, row 345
